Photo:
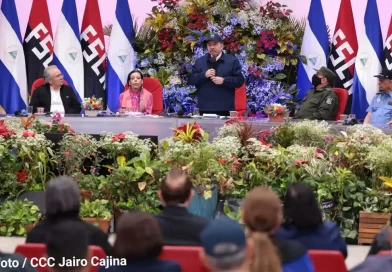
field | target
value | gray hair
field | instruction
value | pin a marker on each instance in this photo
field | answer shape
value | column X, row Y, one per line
column 62, row 196
column 226, row 263
column 47, row 72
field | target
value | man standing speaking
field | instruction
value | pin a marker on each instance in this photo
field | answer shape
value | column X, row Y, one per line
column 216, row 75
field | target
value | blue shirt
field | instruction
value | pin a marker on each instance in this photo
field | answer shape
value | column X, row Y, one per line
column 381, row 108
column 325, row 237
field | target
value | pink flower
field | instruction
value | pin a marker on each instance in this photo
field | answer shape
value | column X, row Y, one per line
column 67, row 153
column 328, row 138
column 27, row 134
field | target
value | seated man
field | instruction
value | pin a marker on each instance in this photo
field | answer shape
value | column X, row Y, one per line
column 321, row 102
column 225, row 247
column 54, row 96
column 178, row 226
column 216, row 75
column 380, row 109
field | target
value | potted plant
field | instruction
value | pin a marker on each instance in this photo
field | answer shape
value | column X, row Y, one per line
column 18, row 217
column 92, row 105
column 93, row 186
column 96, row 212
column 276, row 112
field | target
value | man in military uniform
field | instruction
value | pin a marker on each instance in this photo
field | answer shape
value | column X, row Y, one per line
column 380, row 109
column 321, row 102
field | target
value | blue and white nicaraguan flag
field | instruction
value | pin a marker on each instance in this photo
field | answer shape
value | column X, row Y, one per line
column 68, row 50
column 315, row 48
column 121, row 54
column 13, row 78
column 368, row 61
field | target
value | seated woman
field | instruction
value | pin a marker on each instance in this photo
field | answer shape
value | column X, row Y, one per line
column 62, row 201
column 135, row 98
column 262, row 214
column 304, row 223
column 139, row 241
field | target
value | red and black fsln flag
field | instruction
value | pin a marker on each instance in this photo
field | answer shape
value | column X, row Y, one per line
column 38, row 42
column 344, row 50
column 94, row 54
column 387, row 62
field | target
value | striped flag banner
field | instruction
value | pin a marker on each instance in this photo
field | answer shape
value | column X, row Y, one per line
column 38, row 42
column 93, row 48
column 368, row 62
column 315, row 48
column 387, row 63
column 13, row 82
column 121, row 54
column 67, row 49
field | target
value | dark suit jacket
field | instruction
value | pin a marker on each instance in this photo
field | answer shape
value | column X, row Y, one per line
column 145, row 265
column 97, row 237
column 212, row 97
column 42, row 98
column 179, row 227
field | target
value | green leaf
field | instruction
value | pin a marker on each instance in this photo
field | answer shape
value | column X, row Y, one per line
column 353, row 234
column 345, row 209
column 149, row 171
column 261, row 56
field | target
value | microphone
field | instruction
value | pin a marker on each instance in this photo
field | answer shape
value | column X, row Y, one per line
column 214, row 62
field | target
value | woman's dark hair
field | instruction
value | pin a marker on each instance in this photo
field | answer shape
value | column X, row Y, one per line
column 132, row 72
column 301, row 207
column 138, row 236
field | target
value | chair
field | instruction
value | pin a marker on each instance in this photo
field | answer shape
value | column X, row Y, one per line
column 343, row 97
column 384, row 253
column 240, row 104
column 154, row 86
column 186, row 256
column 38, row 251
column 327, row 261
column 39, row 82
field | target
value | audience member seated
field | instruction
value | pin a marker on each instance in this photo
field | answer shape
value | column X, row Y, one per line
column 17, row 260
column 225, row 247
column 304, row 222
column 135, row 98
column 68, row 241
column 62, row 200
column 140, row 242
column 376, row 263
column 54, row 96
column 381, row 241
column 262, row 214
column 178, row 226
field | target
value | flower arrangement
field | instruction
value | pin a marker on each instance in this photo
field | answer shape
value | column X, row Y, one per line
column 125, row 144
column 264, row 38
column 55, row 126
column 276, row 109
column 92, row 103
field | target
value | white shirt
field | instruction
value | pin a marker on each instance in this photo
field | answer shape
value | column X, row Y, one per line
column 218, row 57
column 56, row 104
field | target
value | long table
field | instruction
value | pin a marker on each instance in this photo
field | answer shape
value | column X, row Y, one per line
column 163, row 126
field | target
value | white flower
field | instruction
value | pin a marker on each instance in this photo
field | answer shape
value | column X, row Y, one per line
column 226, row 147
column 227, row 130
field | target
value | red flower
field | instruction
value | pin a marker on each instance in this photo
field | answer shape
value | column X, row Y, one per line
column 279, row 110
column 197, row 135
column 221, row 161
column 5, row 132
column 27, row 134
column 235, row 120
column 67, row 153
column 300, row 162
column 118, row 137
column 267, row 42
column 21, row 176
